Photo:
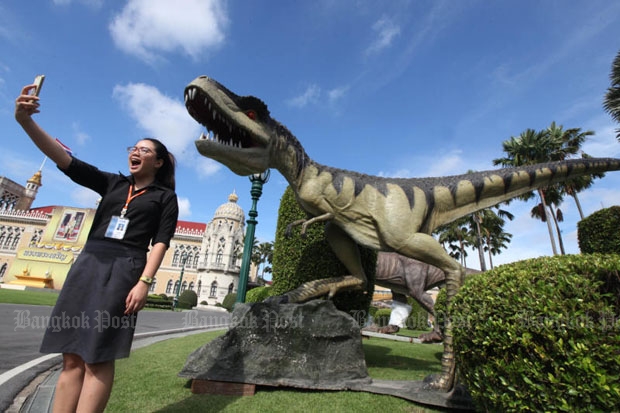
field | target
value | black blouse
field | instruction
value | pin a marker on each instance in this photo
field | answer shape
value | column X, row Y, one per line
column 152, row 216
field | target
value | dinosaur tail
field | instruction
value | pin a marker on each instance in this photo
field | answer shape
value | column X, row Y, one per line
column 489, row 188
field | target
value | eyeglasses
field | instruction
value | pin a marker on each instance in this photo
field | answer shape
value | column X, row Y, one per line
column 142, row 149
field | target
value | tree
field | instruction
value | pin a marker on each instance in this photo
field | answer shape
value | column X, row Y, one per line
column 456, row 237
column 261, row 255
column 612, row 97
column 530, row 148
column 551, row 144
column 492, row 238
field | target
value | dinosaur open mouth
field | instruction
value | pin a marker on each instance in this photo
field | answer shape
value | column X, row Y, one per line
column 220, row 127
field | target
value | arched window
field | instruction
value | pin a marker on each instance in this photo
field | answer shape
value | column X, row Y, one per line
column 169, row 287
column 195, row 263
column 191, row 286
column 199, row 290
column 230, row 288
column 153, row 284
column 219, row 256
column 3, row 271
column 184, row 286
column 176, row 287
column 175, row 258
column 16, row 240
column 213, row 292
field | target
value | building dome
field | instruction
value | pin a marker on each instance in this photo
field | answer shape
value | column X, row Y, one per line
column 230, row 210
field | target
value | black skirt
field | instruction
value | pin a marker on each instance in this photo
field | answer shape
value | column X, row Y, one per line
column 88, row 318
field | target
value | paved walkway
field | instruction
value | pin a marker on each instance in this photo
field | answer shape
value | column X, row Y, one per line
column 38, row 396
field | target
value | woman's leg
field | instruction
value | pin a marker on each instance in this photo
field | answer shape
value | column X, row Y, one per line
column 69, row 385
column 98, row 380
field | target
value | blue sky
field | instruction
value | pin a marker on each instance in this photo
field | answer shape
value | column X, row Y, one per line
column 392, row 88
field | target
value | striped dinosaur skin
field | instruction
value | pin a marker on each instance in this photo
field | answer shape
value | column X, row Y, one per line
column 386, row 214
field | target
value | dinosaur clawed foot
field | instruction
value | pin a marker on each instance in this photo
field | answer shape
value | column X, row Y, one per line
column 326, row 286
column 438, row 382
column 432, row 337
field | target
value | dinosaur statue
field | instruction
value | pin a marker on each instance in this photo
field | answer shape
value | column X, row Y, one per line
column 410, row 277
column 385, row 214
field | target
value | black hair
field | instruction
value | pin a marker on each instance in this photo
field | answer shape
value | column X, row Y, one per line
column 165, row 174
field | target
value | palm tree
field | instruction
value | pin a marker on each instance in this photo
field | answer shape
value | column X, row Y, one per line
column 530, row 148
column 612, row 98
column 554, row 199
column 492, row 221
column 261, row 255
column 496, row 239
column 573, row 186
column 456, row 237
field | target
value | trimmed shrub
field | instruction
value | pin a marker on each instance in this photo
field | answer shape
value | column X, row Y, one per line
column 298, row 259
column 229, row 301
column 258, row 294
column 418, row 317
column 441, row 308
column 541, row 335
column 188, row 299
column 600, row 232
column 203, row 302
column 157, row 301
column 382, row 317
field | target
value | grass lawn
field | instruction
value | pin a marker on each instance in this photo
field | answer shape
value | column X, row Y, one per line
column 147, row 382
column 28, row 297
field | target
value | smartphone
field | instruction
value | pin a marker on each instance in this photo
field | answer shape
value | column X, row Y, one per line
column 38, row 81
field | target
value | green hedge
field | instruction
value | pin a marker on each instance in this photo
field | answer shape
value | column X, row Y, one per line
column 157, row 301
column 298, row 259
column 229, row 301
column 541, row 335
column 188, row 300
column 382, row 317
column 600, row 232
column 258, row 294
column 418, row 317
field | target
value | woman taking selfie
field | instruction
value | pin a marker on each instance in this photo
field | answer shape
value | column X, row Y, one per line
column 108, row 283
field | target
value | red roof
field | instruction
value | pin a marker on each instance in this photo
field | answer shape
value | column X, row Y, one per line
column 190, row 225
column 46, row 209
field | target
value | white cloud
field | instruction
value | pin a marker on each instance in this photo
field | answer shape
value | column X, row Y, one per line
column 166, row 119
column 145, row 28
column 450, row 163
column 85, row 198
column 311, row 95
column 185, row 208
column 80, row 137
column 385, row 30
column 337, row 93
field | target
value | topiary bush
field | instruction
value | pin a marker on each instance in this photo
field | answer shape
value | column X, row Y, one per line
column 418, row 317
column 298, row 259
column 600, row 232
column 157, row 301
column 188, row 299
column 229, row 301
column 382, row 317
column 258, row 294
column 541, row 335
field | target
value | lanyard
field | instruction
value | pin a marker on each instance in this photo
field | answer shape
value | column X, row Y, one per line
column 130, row 198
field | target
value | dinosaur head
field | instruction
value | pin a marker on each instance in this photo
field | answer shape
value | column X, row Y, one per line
column 239, row 128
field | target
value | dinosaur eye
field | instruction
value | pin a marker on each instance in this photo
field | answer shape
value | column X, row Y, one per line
column 251, row 114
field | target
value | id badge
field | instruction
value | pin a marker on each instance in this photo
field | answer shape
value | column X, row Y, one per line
column 117, row 228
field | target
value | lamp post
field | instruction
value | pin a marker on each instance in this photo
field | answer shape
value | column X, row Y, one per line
column 175, row 302
column 258, row 180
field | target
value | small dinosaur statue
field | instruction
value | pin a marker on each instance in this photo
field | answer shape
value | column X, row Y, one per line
column 410, row 277
column 385, row 214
